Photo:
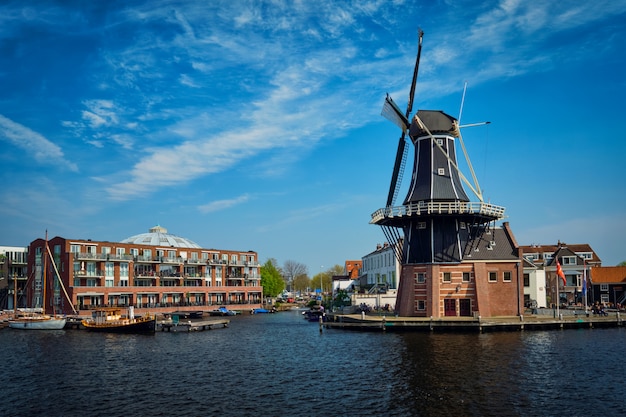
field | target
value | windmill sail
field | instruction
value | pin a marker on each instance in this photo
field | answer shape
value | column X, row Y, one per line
column 392, row 112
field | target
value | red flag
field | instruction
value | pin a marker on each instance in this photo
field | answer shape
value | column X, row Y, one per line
column 559, row 272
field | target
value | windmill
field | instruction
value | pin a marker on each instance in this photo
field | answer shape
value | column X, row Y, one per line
column 436, row 222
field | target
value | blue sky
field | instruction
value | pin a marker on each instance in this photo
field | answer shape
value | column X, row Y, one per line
column 255, row 125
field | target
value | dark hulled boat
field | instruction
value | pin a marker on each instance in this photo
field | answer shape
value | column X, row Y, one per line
column 110, row 320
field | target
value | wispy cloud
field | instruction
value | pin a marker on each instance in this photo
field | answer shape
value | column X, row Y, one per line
column 223, row 204
column 36, row 146
column 302, row 215
column 272, row 86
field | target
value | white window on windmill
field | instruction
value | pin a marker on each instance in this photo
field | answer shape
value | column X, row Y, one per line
column 441, row 171
column 421, row 225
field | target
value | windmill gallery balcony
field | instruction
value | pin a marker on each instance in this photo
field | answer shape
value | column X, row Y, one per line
column 430, row 208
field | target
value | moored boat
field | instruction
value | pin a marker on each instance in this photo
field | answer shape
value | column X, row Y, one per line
column 110, row 319
column 38, row 322
column 222, row 311
column 262, row 310
column 184, row 315
column 37, row 318
column 314, row 314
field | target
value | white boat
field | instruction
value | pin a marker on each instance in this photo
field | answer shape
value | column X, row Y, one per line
column 38, row 322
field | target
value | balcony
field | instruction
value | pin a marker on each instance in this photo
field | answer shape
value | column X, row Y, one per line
column 171, row 260
column 423, row 208
column 99, row 273
column 88, row 256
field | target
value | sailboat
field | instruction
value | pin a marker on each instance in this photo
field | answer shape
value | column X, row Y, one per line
column 37, row 321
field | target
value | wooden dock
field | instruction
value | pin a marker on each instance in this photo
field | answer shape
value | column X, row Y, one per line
column 468, row 324
column 191, row 326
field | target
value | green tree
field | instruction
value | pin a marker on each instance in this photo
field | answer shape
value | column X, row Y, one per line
column 321, row 281
column 271, row 280
column 623, row 263
column 301, row 283
column 342, row 298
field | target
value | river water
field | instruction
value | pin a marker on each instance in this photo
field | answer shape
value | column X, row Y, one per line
column 281, row 365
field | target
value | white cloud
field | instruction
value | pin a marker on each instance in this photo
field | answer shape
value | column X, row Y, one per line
column 37, row 146
column 223, row 204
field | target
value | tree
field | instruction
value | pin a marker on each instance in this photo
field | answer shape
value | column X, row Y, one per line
column 271, row 280
column 322, row 281
column 337, row 270
column 301, row 283
column 342, row 298
column 291, row 270
column 623, row 263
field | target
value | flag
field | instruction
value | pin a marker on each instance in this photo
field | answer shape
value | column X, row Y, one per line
column 559, row 272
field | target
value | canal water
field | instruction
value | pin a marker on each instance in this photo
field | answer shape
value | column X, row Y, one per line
column 281, row 365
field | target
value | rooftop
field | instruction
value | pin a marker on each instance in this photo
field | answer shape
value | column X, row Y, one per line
column 158, row 236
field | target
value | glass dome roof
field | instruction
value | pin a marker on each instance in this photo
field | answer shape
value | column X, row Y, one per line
column 158, row 236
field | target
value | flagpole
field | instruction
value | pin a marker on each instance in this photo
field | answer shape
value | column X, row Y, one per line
column 558, row 299
column 585, row 283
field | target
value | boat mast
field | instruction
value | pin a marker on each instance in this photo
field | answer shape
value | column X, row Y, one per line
column 14, row 295
column 45, row 265
column 58, row 276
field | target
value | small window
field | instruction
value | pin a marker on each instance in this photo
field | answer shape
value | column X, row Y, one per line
column 466, row 276
column 506, row 276
column 447, row 277
column 439, row 141
column 462, row 225
column 420, row 277
column 604, row 287
column 526, row 280
column 493, row 277
column 421, row 305
column 569, row 260
column 441, row 171
column 421, row 225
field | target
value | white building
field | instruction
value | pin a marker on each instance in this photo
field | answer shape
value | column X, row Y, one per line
column 378, row 282
column 380, row 268
column 534, row 285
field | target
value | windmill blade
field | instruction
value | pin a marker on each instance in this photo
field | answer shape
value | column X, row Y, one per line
column 392, row 112
column 420, row 36
column 398, row 170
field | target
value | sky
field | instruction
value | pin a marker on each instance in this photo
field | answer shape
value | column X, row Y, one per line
column 256, row 125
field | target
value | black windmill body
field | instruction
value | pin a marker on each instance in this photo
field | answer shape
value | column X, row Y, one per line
column 437, row 222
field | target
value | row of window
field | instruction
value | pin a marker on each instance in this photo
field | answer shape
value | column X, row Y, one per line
column 379, row 260
column 420, row 277
column 89, row 269
column 147, row 253
column 139, row 283
column 565, row 260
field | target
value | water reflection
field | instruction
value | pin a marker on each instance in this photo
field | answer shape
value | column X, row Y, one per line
column 280, row 364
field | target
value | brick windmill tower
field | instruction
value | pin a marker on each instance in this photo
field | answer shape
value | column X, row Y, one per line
column 449, row 247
